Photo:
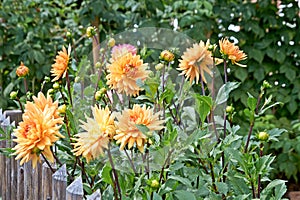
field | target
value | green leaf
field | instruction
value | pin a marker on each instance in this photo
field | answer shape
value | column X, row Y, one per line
column 223, row 93
column 144, row 129
column 156, row 196
column 241, row 73
column 203, row 106
column 251, row 102
column 256, row 54
column 184, row 195
column 184, row 181
column 105, row 174
column 222, row 187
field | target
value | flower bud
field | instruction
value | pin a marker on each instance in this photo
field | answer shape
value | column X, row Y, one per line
column 90, row 31
column 98, row 65
column 229, row 109
column 22, row 70
column 263, row 136
column 111, row 42
column 98, row 95
column 266, row 84
column 103, row 90
column 62, row 109
column 56, row 85
column 154, row 183
column 47, row 79
column 167, row 56
column 77, row 79
column 159, row 66
column 68, row 34
column 50, row 91
column 13, row 95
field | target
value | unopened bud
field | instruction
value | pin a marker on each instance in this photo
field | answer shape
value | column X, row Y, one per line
column 22, row 70
column 47, row 79
column 167, row 56
column 229, row 109
column 90, row 31
column 56, row 85
column 13, row 95
column 77, row 79
column 62, row 109
column 159, row 66
column 68, row 34
column 266, row 84
column 154, row 183
column 98, row 65
column 111, row 42
column 263, row 136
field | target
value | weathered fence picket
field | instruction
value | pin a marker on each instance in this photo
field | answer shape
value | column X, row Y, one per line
column 25, row 183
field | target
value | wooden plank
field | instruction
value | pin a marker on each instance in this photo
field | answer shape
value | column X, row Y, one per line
column 95, row 196
column 59, row 183
column 28, row 182
column 5, row 161
column 15, row 116
column 75, row 190
column 20, row 182
column 47, row 181
column 37, row 182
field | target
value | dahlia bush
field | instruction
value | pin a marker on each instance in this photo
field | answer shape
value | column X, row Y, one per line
column 150, row 120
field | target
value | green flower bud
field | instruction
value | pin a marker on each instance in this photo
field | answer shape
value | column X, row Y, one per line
column 69, row 34
column 13, row 95
column 263, row 136
column 229, row 109
column 159, row 66
column 47, row 79
column 98, row 65
column 111, row 42
column 90, row 31
column 77, row 79
column 62, row 109
column 56, row 85
column 154, row 183
column 266, row 84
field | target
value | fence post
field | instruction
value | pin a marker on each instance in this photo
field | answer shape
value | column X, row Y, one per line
column 75, row 190
column 59, row 183
column 15, row 117
column 47, row 181
column 3, row 176
column 95, row 196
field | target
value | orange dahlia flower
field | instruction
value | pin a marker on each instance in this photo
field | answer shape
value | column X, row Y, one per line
column 124, row 72
column 38, row 130
column 22, row 70
column 60, row 67
column 195, row 61
column 98, row 130
column 232, row 52
column 127, row 132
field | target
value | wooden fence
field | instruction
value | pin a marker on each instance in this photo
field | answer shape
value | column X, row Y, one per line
column 25, row 183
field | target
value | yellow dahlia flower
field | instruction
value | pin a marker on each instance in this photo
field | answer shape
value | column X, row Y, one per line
column 98, row 130
column 127, row 132
column 60, row 67
column 195, row 61
column 124, row 72
column 232, row 52
column 38, row 130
